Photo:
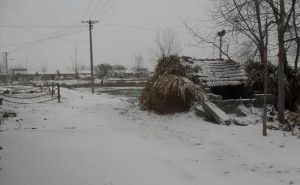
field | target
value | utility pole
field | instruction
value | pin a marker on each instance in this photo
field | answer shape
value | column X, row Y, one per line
column 75, row 59
column 6, row 63
column 221, row 34
column 90, row 22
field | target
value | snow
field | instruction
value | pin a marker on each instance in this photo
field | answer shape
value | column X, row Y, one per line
column 106, row 140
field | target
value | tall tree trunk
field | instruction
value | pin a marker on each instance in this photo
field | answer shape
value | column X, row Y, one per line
column 297, row 54
column 282, row 62
column 264, row 59
column 262, row 47
column 297, row 39
column 281, row 65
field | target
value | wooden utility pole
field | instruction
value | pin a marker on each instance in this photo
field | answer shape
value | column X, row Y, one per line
column 6, row 63
column 6, row 66
column 90, row 22
column 221, row 34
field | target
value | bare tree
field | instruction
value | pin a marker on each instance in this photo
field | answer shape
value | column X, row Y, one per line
column 103, row 70
column 74, row 59
column 283, row 11
column 167, row 44
column 139, row 61
column 296, row 36
column 204, row 40
column 44, row 68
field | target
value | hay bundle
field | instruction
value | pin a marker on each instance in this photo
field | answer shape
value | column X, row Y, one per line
column 169, row 91
column 171, row 65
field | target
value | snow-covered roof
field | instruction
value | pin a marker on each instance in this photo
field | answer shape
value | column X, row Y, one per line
column 215, row 73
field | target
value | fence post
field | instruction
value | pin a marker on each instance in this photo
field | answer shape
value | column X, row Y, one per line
column 1, row 99
column 52, row 89
column 41, row 88
column 58, row 92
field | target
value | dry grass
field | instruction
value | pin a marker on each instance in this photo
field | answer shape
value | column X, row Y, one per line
column 169, row 91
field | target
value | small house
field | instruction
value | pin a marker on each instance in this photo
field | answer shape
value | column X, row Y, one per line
column 223, row 77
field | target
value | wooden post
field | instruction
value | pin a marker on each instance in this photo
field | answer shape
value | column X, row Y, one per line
column 1, row 99
column 52, row 89
column 41, row 88
column 58, row 93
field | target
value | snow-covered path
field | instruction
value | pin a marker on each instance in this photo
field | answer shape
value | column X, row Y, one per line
column 104, row 140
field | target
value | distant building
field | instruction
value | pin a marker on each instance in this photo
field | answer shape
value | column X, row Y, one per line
column 141, row 72
column 16, row 71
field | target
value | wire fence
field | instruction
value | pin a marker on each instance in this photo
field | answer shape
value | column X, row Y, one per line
column 20, row 94
column 43, row 101
column 30, row 97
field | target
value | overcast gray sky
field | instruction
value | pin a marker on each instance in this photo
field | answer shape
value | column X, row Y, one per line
column 125, row 28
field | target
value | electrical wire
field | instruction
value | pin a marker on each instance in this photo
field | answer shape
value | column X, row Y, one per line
column 28, row 30
column 95, row 8
column 43, row 27
column 36, row 42
column 87, row 10
column 22, row 28
column 101, row 10
column 107, row 10
column 138, row 27
column 56, row 35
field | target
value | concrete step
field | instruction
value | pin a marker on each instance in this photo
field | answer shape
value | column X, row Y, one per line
column 216, row 113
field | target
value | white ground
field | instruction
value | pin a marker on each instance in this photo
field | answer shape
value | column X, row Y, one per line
column 104, row 140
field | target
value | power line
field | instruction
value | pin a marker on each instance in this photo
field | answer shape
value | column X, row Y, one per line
column 103, row 24
column 95, row 8
column 138, row 27
column 24, row 29
column 38, row 41
column 56, row 35
column 43, row 27
column 7, row 45
column 30, row 31
column 101, row 9
column 87, row 10
column 107, row 10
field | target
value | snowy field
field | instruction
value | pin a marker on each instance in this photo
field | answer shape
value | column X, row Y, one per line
column 106, row 140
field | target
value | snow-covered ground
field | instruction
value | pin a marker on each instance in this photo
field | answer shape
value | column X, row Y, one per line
column 106, row 140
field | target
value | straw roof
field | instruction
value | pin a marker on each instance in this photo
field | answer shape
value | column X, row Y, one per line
column 216, row 73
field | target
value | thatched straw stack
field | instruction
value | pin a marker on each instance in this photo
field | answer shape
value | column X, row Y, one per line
column 169, row 90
